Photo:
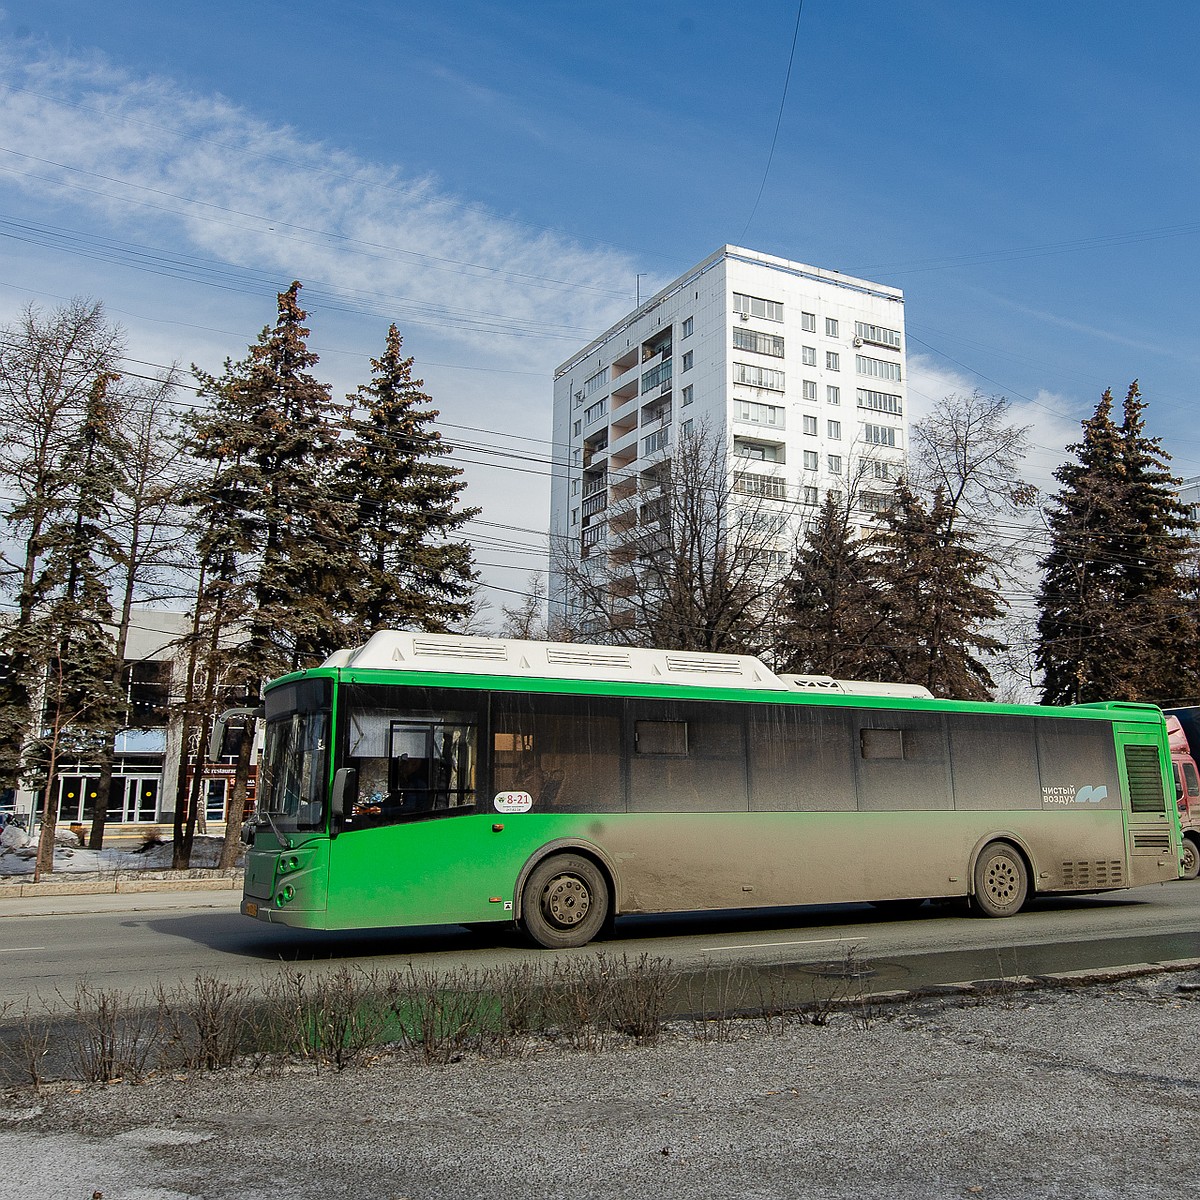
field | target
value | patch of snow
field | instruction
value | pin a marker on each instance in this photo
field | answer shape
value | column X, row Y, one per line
column 73, row 858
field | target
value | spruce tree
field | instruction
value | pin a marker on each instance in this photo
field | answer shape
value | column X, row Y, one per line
column 406, row 568
column 830, row 603
column 271, row 433
column 937, row 597
column 1116, row 617
column 273, row 533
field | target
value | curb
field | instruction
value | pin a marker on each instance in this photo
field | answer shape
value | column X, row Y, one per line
column 993, row 988
column 108, row 887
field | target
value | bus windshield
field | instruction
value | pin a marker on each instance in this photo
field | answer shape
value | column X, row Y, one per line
column 295, row 768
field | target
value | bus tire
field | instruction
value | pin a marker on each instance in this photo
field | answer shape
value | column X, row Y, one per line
column 1001, row 881
column 565, row 902
column 1191, row 859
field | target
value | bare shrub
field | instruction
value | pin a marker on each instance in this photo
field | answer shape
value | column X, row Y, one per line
column 717, row 1000
column 208, row 1026
column 347, row 1014
column 636, row 994
column 112, row 1036
column 24, row 1045
column 436, row 1018
column 514, row 1007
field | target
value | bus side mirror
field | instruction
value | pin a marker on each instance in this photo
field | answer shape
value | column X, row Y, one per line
column 216, row 735
column 345, row 792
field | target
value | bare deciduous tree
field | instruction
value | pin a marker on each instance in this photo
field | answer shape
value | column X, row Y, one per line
column 695, row 554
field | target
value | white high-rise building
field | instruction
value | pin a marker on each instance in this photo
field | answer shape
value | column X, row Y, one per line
column 799, row 371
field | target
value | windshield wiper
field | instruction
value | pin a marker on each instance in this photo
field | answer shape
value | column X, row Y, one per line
column 286, row 843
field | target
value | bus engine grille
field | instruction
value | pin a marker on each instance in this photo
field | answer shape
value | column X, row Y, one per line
column 1104, row 873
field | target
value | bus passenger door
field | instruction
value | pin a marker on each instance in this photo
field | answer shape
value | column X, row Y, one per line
column 1151, row 819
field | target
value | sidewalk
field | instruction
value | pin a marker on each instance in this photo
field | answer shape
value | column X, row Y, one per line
column 119, row 891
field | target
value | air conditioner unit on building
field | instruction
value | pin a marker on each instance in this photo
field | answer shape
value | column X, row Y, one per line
column 744, row 316
column 858, row 341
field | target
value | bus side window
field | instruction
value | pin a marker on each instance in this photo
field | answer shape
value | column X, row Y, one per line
column 565, row 752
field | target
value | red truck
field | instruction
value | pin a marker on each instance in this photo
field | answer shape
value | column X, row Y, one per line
column 1183, row 730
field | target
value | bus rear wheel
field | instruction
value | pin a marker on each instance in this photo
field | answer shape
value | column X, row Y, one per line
column 1001, row 881
column 1191, row 859
column 565, row 902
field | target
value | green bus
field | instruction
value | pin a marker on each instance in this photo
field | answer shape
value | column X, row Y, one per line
column 438, row 779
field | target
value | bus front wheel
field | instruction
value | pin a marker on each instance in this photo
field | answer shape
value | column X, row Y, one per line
column 565, row 902
column 1001, row 881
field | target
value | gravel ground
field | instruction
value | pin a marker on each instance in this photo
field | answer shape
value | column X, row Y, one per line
column 1081, row 1093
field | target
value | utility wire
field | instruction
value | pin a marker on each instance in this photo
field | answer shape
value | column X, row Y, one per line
column 778, row 122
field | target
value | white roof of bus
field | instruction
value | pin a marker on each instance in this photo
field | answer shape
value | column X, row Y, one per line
column 393, row 650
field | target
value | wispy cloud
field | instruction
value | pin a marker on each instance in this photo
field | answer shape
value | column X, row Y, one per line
column 200, row 188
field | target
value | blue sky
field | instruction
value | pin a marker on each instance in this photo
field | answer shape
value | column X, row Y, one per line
column 493, row 177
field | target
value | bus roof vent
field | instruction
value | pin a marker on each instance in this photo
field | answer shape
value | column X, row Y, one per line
column 812, row 683
column 494, row 650
column 570, row 656
column 705, row 664
column 856, row 687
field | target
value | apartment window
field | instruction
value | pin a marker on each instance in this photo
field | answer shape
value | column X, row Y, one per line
column 656, row 441
column 835, row 430
column 886, row 471
column 810, row 389
column 656, row 376
column 687, row 395
column 687, row 328
column 756, row 306
column 835, row 464
column 811, row 460
column 685, row 429
column 833, row 395
column 808, row 495
column 832, row 360
column 873, row 502
column 596, row 411
column 808, row 322
column 762, row 451
column 831, row 327
column 770, row 487
column 886, row 402
column 760, row 414
column 595, row 383
column 574, row 516
column 687, row 360
column 759, row 343
column 810, row 426
column 756, row 376
column 576, row 428
column 877, row 335
column 576, row 456
column 879, row 435
column 808, row 355
column 877, row 368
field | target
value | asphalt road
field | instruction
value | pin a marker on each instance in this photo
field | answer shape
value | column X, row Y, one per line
column 135, row 942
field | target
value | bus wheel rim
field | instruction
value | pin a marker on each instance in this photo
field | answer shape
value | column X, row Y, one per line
column 566, row 900
column 1001, row 881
